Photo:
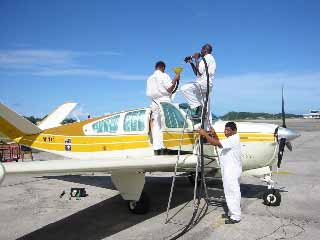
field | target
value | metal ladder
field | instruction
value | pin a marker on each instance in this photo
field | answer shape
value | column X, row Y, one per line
column 195, row 151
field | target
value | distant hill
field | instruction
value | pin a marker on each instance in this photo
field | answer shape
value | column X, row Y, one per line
column 250, row 115
column 35, row 120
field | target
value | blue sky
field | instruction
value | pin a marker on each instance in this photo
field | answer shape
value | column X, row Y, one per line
column 100, row 53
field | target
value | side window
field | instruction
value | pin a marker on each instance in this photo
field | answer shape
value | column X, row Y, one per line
column 108, row 125
column 173, row 117
column 134, row 121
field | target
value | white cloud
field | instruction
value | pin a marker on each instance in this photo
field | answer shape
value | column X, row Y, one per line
column 79, row 113
column 35, row 58
column 51, row 63
column 23, row 58
column 88, row 73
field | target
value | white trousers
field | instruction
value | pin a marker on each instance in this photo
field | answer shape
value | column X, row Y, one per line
column 157, row 129
column 195, row 95
column 231, row 186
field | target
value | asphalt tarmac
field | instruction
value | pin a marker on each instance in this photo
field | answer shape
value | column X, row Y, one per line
column 31, row 206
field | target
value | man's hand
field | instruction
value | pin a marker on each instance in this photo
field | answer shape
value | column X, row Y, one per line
column 196, row 55
column 213, row 140
column 202, row 132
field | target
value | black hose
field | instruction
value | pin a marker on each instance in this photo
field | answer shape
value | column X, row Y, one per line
column 203, row 115
column 175, row 87
column 192, row 221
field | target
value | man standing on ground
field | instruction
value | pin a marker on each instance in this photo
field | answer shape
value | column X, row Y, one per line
column 159, row 89
column 231, row 168
column 195, row 92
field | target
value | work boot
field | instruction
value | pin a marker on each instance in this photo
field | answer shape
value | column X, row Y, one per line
column 231, row 221
column 157, row 152
column 165, row 151
column 162, row 151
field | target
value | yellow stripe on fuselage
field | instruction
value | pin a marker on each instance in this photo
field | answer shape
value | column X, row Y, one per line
column 87, row 143
column 257, row 137
column 95, row 143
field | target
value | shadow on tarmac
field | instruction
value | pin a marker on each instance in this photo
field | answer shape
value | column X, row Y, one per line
column 112, row 215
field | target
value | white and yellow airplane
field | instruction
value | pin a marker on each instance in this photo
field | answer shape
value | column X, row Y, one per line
column 121, row 144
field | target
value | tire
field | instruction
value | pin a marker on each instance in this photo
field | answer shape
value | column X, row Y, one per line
column 272, row 197
column 141, row 206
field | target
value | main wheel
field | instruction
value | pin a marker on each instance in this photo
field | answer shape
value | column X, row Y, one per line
column 272, row 197
column 141, row 206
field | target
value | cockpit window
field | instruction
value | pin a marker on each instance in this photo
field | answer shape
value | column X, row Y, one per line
column 134, row 121
column 108, row 125
column 173, row 117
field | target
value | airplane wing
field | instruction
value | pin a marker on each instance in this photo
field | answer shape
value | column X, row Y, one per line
column 57, row 116
column 143, row 164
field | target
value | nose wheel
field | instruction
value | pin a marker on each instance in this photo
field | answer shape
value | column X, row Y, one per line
column 141, row 206
column 272, row 197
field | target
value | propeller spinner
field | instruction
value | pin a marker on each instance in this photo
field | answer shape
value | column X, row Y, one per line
column 284, row 135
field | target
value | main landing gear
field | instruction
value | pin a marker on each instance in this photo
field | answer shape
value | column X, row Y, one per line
column 140, row 207
column 271, row 197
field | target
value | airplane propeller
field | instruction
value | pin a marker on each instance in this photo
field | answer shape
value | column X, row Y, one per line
column 284, row 135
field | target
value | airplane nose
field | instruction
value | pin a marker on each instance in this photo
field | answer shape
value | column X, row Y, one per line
column 288, row 133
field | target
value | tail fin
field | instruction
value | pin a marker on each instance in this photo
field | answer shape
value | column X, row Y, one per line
column 14, row 125
column 57, row 116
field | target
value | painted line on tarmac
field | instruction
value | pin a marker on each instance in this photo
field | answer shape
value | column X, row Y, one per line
column 283, row 172
column 218, row 223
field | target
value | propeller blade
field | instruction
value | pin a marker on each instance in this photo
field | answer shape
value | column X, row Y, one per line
column 282, row 144
column 289, row 146
column 283, row 115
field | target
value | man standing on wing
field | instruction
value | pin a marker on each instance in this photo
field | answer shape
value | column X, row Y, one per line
column 231, row 168
column 159, row 89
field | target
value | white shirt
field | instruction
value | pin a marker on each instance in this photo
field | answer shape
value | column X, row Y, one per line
column 202, row 80
column 157, row 85
column 231, row 152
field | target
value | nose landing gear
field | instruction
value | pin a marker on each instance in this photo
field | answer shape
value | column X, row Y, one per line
column 271, row 197
column 141, row 206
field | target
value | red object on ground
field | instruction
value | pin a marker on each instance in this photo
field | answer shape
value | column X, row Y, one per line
column 10, row 152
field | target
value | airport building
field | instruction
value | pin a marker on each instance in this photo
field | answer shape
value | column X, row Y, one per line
column 312, row 114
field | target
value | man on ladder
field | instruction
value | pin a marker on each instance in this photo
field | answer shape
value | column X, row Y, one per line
column 195, row 92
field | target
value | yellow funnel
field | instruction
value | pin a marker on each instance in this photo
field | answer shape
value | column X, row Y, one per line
column 177, row 69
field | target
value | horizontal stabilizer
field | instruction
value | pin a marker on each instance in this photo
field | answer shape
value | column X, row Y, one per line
column 13, row 125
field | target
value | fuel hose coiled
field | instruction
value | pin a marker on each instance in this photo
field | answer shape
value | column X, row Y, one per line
column 195, row 216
